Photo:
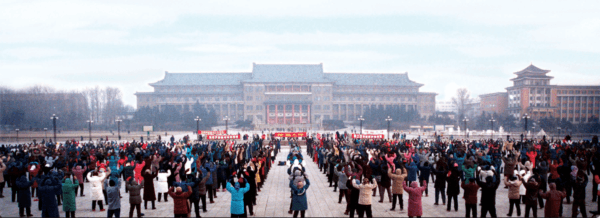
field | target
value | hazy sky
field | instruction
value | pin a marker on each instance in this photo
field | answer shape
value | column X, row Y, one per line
column 442, row 44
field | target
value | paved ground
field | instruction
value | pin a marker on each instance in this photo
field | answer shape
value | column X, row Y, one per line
column 273, row 201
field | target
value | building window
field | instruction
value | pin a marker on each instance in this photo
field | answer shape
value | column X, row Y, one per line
column 248, row 98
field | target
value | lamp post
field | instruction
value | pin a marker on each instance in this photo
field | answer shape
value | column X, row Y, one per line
column 465, row 120
column 118, row 121
column 54, row 118
column 388, row 119
column 558, row 128
column 361, row 120
column 17, row 135
column 492, row 122
column 526, row 117
column 90, row 128
column 226, row 119
column 198, row 127
column 45, row 134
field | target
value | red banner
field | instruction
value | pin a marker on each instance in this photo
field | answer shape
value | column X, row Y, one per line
column 290, row 134
column 367, row 136
column 222, row 137
column 222, row 132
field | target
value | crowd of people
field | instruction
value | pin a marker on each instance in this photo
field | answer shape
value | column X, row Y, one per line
column 537, row 173
column 532, row 171
column 54, row 174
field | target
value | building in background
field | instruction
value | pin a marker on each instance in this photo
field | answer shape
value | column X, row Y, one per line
column 445, row 106
column 473, row 108
column 532, row 94
column 494, row 103
column 282, row 95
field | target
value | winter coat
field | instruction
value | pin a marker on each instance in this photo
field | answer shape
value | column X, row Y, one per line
column 48, row 190
column 415, row 207
column 412, row 172
column 96, row 190
column 513, row 188
column 553, row 201
column 68, row 194
column 366, row 190
column 453, row 184
column 488, row 192
column 397, row 180
column 202, row 185
column 78, row 172
column 237, row 198
column 250, row 196
column 299, row 196
column 2, row 169
column 531, row 196
column 135, row 192
column 23, row 192
column 440, row 179
column 180, row 201
column 342, row 178
column 162, row 186
column 149, row 193
column 470, row 192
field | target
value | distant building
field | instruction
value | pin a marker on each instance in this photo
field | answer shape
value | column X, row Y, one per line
column 473, row 108
column 283, row 94
column 532, row 94
column 494, row 103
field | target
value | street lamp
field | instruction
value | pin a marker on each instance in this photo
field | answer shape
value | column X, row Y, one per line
column 558, row 128
column 90, row 128
column 17, row 135
column 526, row 117
column 54, row 118
column 226, row 119
column 197, row 127
column 388, row 119
column 118, row 121
column 45, row 134
column 465, row 120
column 361, row 120
column 492, row 122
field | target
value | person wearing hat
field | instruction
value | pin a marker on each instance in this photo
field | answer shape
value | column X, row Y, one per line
column 513, row 184
column 299, row 197
column 69, row 190
column 135, row 197
column 23, row 195
column 149, row 193
column 162, row 185
column 397, row 186
column 470, row 195
column 47, row 192
column 531, row 195
column 237, row 196
column 96, row 179
column 415, row 207
column 364, row 199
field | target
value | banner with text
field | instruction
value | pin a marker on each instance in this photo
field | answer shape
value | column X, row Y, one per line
column 367, row 136
column 222, row 137
column 221, row 132
column 290, row 134
column 374, row 132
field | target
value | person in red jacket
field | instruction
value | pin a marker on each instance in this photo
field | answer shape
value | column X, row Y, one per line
column 181, row 207
column 597, row 181
column 470, row 197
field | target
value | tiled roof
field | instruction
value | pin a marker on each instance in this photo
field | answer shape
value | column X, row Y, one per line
column 287, row 73
column 193, row 79
column 532, row 69
column 381, row 79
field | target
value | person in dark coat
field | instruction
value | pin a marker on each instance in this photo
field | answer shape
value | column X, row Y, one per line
column 202, row 189
column 69, row 190
column 135, row 197
column 149, row 194
column 532, row 187
column 453, row 188
column 23, row 195
column 194, row 198
column 250, row 196
column 352, row 206
column 48, row 190
column 579, row 183
column 299, row 197
column 470, row 197
column 425, row 171
column 488, row 194
column 440, row 183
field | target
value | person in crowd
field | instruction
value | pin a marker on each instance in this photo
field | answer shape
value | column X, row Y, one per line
column 579, row 182
column 149, row 194
column 415, row 207
column 299, row 202
column 48, row 189
column 531, row 196
column 513, row 183
column 113, row 198
column 470, row 190
column 181, row 208
column 397, row 187
column 488, row 194
column 24, row 195
column 553, row 200
column 162, row 185
column 96, row 179
column 234, row 187
column 453, row 191
column 135, row 196
column 364, row 199
column 69, row 192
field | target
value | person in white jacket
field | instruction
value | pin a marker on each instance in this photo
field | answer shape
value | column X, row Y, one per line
column 364, row 198
column 96, row 179
column 162, row 187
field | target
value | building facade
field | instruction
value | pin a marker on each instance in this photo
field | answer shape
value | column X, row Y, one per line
column 534, row 95
column 494, row 103
column 285, row 94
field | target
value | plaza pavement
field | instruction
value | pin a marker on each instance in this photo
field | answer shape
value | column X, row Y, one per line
column 274, row 200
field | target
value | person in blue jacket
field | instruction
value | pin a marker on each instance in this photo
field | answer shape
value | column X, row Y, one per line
column 412, row 172
column 48, row 190
column 299, row 197
column 237, row 196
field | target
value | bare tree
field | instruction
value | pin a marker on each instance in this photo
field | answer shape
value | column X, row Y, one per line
column 461, row 101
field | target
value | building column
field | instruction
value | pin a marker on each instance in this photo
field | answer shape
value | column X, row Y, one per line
column 276, row 115
column 301, row 111
column 308, row 113
column 293, row 111
column 284, row 116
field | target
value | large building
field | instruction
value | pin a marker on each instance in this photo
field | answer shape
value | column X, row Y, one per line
column 532, row 94
column 494, row 103
column 285, row 94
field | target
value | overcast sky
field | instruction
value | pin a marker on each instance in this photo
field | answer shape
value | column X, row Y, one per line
column 442, row 44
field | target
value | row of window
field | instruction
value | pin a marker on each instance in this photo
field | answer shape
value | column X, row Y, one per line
column 192, row 99
column 576, row 92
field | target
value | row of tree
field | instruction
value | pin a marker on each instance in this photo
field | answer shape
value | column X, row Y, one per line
column 31, row 108
column 174, row 117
